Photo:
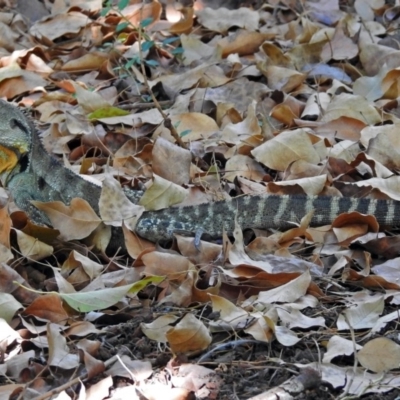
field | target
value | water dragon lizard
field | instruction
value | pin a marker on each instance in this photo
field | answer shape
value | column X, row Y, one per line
column 30, row 173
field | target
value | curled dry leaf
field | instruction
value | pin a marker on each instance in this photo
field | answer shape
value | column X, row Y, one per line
column 48, row 307
column 8, row 307
column 135, row 245
column 60, row 355
column 230, row 314
column 185, row 24
column 31, row 247
column 188, row 335
column 157, row 330
column 288, row 292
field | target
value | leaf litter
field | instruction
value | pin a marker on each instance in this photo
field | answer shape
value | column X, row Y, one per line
column 196, row 103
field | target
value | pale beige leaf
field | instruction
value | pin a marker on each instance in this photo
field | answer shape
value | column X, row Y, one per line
column 284, row 79
column 181, row 292
column 366, row 8
column 92, row 268
column 60, row 355
column 288, row 292
column 195, row 49
column 5, row 253
column 389, row 186
column 166, row 154
column 285, row 336
column 340, row 47
column 31, row 247
column 370, row 87
column 158, row 329
column 5, row 227
column 380, row 355
column 312, row 186
column 244, row 166
column 262, row 329
column 89, row 101
column 363, row 315
column 236, row 132
column 194, row 126
column 346, row 150
column 339, row 346
column 56, row 26
column 175, row 83
column 235, row 316
column 279, row 152
column 351, row 106
column 222, row 19
column 115, row 208
column 384, row 147
column 316, row 105
column 8, row 307
column 295, row 319
column 162, row 194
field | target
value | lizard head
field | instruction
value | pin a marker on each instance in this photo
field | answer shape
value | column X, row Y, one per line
column 15, row 138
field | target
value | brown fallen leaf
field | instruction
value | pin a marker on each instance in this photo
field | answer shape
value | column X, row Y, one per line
column 76, row 221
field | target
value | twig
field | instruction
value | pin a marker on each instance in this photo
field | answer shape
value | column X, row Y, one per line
column 75, row 381
column 167, row 121
column 233, row 343
column 307, row 379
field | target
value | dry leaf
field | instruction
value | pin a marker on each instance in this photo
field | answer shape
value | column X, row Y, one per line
column 76, row 221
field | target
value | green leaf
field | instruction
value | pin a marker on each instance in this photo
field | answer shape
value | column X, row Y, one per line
column 105, row 10
column 134, row 60
column 184, row 133
column 147, row 45
column 147, row 98
column 152, row 63
column 104, row 298
column 140, row 285
column 122, row 4
column 146, row 22
column 107, row 112
column 120, row 27
column 178, row 50
column 170, row 40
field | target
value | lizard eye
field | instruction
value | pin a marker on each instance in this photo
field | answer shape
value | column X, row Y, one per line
column 14, row 123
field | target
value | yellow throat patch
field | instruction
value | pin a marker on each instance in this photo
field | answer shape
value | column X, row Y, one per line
column 8, row 159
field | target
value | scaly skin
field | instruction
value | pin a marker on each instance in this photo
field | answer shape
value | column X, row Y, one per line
column 31, row 173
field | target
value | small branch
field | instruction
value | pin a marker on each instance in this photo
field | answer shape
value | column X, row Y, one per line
column 309, row 378
column 75, row 381
column 167, row 121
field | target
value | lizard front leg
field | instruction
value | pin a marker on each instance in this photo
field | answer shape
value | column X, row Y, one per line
column 25, row 187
